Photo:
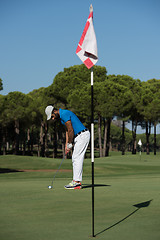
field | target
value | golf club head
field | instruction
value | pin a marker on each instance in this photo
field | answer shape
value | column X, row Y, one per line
column 50, row 187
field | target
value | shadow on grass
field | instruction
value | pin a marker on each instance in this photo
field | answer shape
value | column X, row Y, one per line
column 7, row 170
column 95, row 185
column 138, row 206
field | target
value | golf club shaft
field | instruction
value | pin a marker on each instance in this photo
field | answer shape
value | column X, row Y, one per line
column 58, row 168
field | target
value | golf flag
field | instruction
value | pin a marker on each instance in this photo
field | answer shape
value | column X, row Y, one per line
column 87, row 47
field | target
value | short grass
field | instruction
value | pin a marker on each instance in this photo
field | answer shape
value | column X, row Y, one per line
column 30, row 211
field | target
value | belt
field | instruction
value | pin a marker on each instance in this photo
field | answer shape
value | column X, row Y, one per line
column 81, row 132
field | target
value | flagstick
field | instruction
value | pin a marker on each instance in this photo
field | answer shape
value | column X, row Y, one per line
column 87, row 52
column 92, row 150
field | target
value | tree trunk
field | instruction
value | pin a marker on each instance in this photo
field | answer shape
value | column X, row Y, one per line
column 42, row 146
column 108, row 136
column 155, row 140
column 16, row 151
column 134, row 129
column 54, row 144
column 148, row 130
column 28, row 141
column 106, row 143
column 105, row 138
column 24, row 146
column 4, row 142
column 31, row 139
column 46, row 150
column 99, row 136
column 38, row 151
column 123, row 138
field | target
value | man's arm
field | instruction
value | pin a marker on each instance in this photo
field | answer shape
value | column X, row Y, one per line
column 66, row 137
column 69, row 136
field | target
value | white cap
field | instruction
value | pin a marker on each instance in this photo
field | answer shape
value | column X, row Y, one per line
column 48, row 111
column 140, row 142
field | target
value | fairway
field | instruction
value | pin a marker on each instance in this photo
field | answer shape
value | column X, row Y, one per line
column 30, row 211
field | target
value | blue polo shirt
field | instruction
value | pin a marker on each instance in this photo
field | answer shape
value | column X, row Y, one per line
column 66, row 115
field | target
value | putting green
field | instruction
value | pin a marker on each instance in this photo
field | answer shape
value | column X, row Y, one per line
column 29, row 210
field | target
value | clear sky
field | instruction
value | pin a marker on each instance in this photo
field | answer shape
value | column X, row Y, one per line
column 38, row 39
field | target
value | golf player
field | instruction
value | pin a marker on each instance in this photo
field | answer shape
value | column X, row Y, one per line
column 77, row 136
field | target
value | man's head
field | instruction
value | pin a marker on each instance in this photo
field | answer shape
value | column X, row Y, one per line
column 52, row 113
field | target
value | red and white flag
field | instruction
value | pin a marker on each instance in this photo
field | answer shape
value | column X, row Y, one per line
column 87, row 47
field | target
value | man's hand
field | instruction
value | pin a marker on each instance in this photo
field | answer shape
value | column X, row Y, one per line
column 68, row 147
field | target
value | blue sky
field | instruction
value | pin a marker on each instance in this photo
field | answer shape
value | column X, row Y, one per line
column 39, row 38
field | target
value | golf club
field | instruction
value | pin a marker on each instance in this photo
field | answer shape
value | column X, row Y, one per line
column 51, row 186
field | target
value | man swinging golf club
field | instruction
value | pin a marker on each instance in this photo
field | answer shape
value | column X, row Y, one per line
column 77, row 136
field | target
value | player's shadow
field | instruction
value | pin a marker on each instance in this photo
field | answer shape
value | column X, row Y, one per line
column 95, row 185
column 7, row 170
column 138, row 206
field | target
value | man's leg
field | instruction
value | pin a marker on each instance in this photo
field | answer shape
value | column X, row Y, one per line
column 80, row 147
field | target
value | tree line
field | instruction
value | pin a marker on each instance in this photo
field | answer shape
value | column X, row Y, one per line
column 23, row 125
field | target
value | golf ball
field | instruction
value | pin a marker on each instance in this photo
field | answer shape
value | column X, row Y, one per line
column 49, row 187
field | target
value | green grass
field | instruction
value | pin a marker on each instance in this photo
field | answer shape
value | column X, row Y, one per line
column 30, row 211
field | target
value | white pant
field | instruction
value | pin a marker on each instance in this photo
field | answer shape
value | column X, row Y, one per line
column 80, row 146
